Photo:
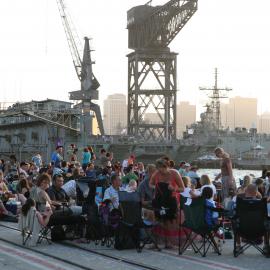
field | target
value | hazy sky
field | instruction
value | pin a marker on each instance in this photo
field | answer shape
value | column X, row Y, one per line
column 35, row 62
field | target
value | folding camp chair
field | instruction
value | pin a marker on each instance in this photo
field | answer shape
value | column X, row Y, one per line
column 195, row 225
column 32, row 231
column 139, row 230
column 250, row 223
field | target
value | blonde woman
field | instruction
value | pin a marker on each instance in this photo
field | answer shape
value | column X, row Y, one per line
column 205, row 181
column 246, row 181
column 226, row 173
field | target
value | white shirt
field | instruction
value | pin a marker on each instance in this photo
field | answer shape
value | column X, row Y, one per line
column 70, row 188
column 125, row 163
column 112, row 195
column 185, row 193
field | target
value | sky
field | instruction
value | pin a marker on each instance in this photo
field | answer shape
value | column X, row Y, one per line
column 35, row 62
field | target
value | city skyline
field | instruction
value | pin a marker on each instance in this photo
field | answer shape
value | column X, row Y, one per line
column 36, row 62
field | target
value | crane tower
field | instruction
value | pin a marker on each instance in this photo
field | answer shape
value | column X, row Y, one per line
column 83, row 67
column 152, row 67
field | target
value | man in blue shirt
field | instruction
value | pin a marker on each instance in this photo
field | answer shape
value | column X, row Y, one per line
column 57, row 156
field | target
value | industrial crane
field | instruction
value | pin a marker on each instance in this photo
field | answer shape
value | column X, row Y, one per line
column 83, row 67
column 150, row 30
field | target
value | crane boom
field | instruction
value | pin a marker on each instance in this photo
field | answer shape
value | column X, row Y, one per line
column 159, row 25
column 73, row 39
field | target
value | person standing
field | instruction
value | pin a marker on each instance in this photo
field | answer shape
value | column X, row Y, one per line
column 86, row 158
column 167, row 184
column 226, row 174
column 57, row 156
column 37, row 160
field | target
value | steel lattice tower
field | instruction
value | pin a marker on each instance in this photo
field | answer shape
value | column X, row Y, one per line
column 152, row 67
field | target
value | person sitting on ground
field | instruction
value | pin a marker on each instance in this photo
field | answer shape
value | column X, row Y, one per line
column 4, row 211
column 23, row 187
column 64, row 166
column 6, row 193
column 111, row 193
column 11, row 168
column 3, row 186
column 24, row 168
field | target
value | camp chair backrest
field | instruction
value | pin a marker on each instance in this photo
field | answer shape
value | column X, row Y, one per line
column 130, row 205
column 195, row 214
column 251, row 215
column 84, row 188
column 125, row 196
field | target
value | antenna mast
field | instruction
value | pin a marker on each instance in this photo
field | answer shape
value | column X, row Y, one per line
column 215, row 103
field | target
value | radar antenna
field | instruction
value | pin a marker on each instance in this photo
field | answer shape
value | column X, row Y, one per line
column 215, row 103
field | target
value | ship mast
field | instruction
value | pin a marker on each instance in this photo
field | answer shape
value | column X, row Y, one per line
column 215, row 101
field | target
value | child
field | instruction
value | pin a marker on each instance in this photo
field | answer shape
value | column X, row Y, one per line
column 187, row 183
column 132, row 186
column 211, row 217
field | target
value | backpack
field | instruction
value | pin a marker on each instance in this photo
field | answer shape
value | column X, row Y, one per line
column 126, row 238
column 57, row 233
column 94, row 229
column 164, row 203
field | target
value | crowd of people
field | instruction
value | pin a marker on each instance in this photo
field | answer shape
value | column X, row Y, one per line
column 46, row 187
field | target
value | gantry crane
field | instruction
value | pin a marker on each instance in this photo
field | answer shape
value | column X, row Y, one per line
column 152, row 76
column 83, row 67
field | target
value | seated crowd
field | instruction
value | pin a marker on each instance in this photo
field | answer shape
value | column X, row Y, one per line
column 53, row 189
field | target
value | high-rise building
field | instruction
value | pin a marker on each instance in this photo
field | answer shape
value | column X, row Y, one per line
column 115, row 114
column 185, row 116
column 263, row 123
column 239, row 112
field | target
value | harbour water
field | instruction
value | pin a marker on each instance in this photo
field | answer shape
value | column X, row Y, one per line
column 238, row 174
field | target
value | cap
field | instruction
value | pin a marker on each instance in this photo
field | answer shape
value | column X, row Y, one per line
column 187, row 165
